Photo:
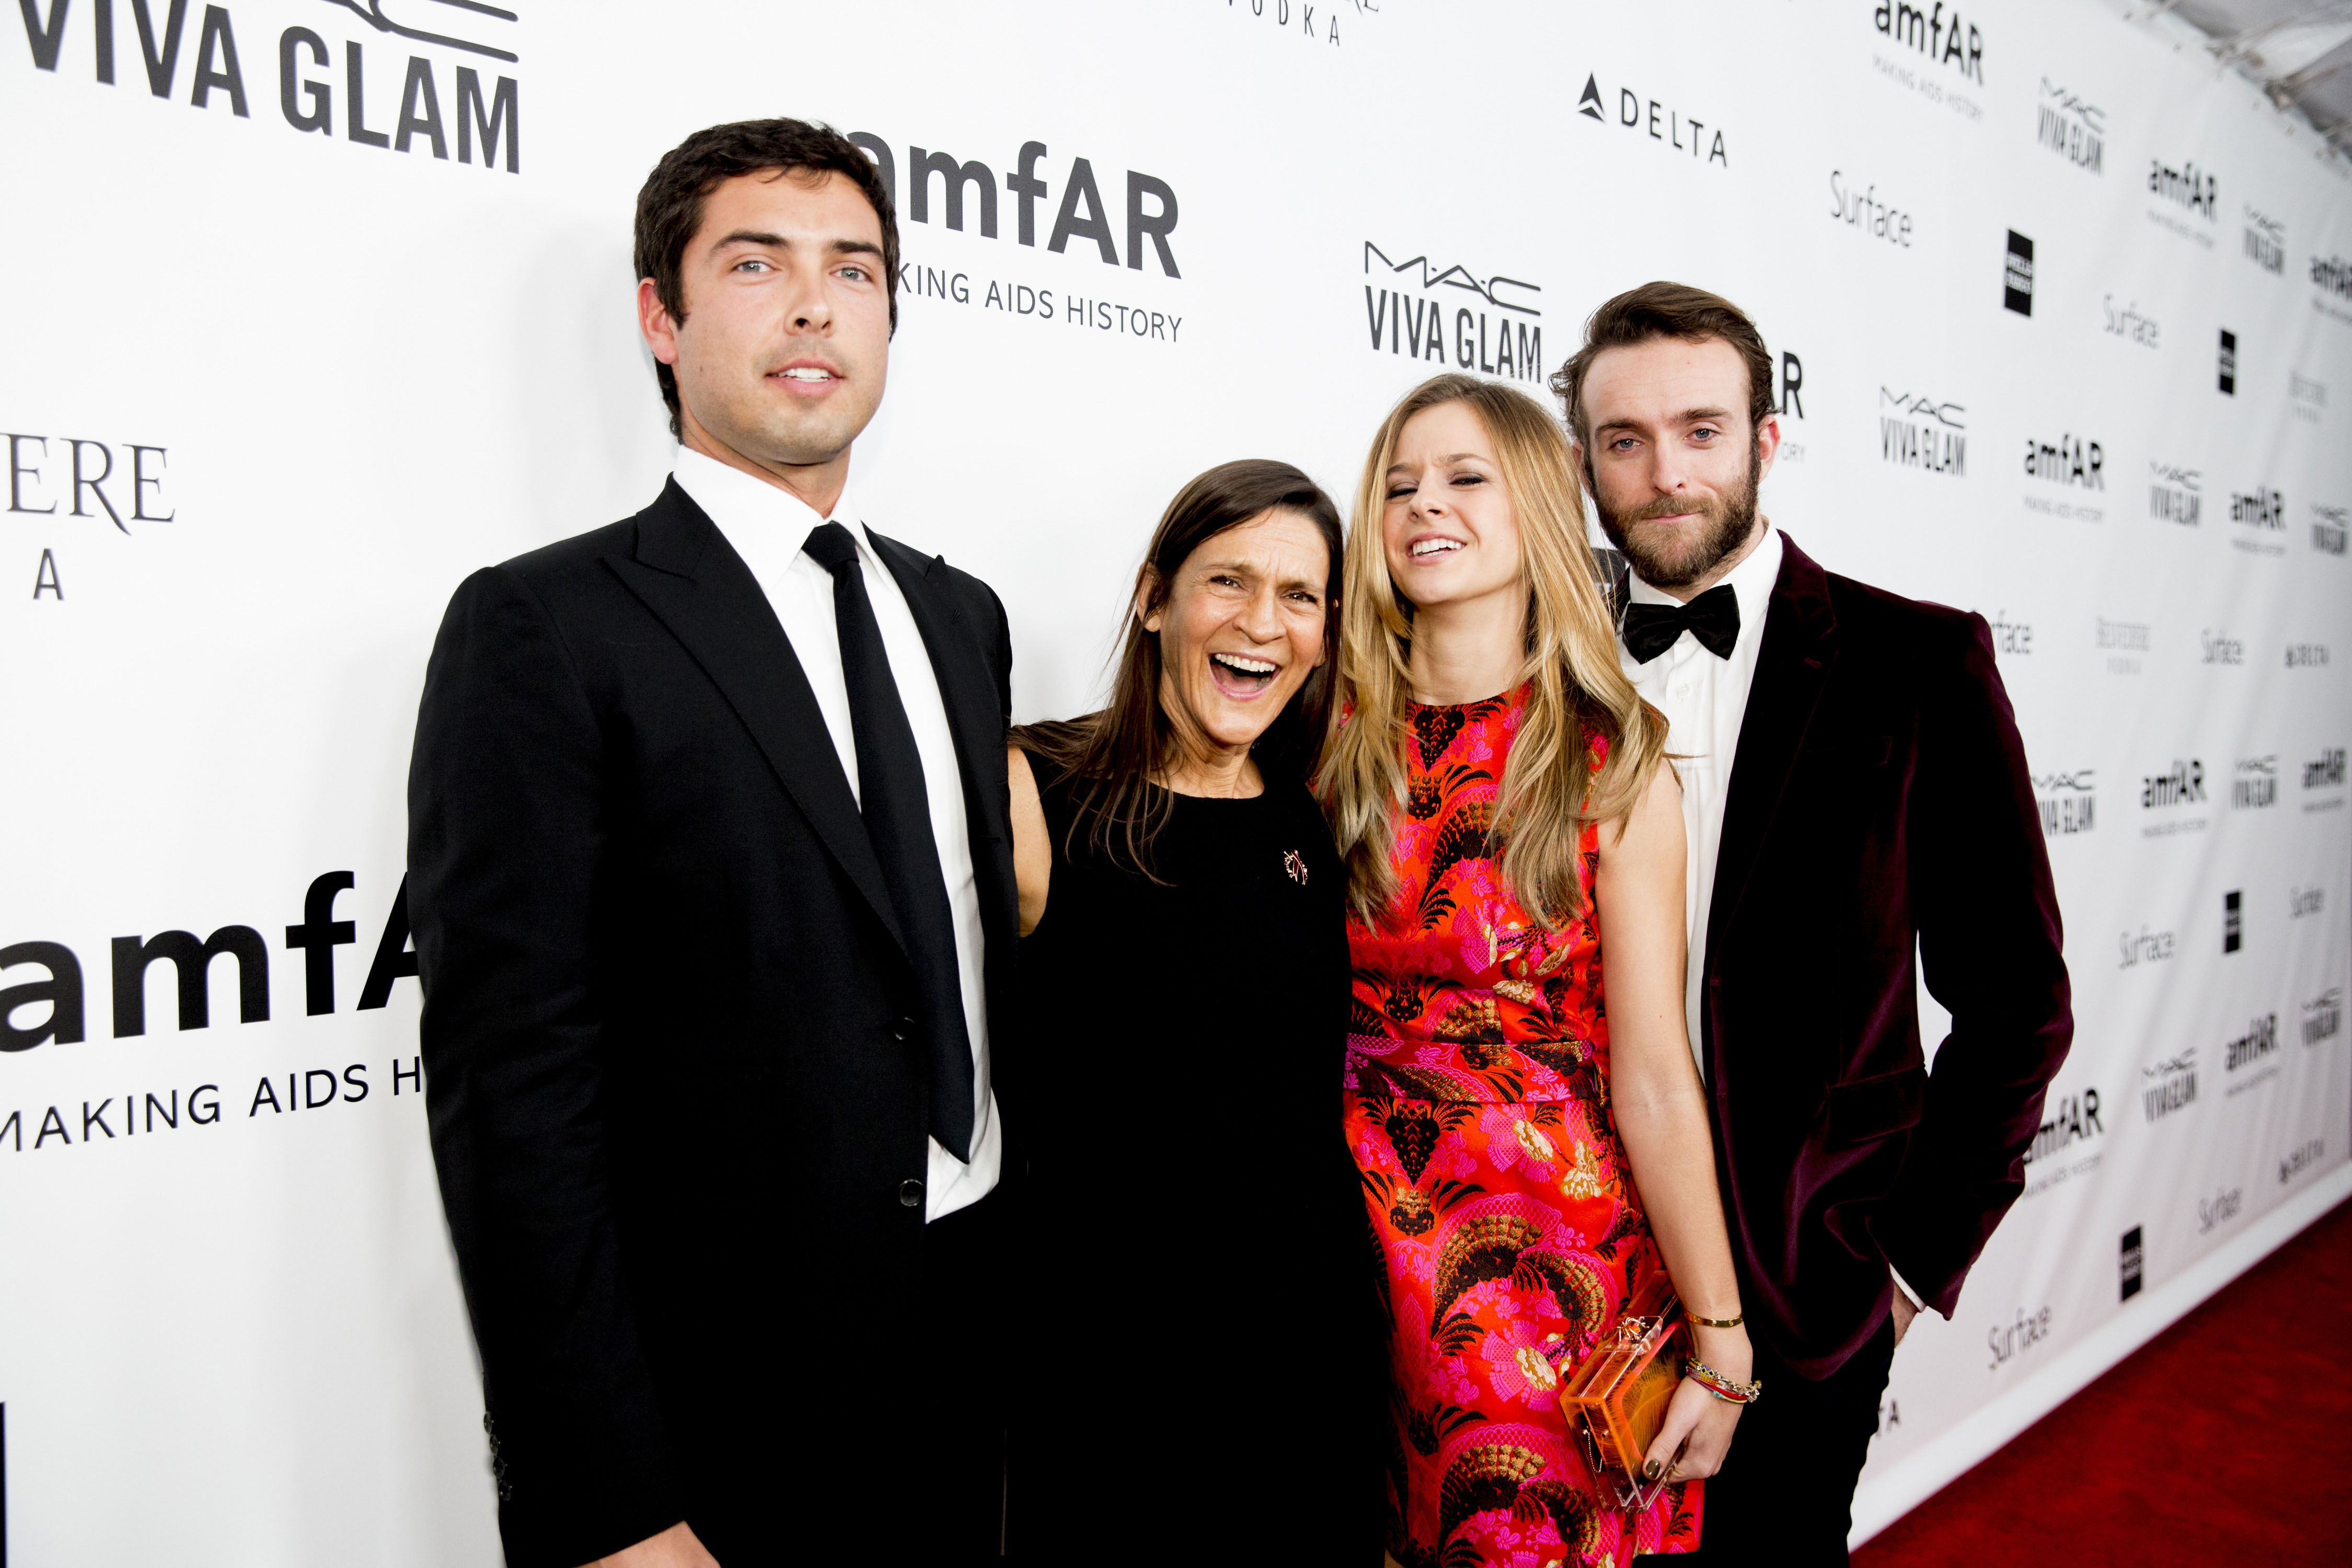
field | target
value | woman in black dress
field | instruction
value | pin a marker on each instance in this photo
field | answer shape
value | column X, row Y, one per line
column 1206, row 1364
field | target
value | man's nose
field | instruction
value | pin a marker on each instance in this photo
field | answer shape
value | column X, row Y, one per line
column 807, row 306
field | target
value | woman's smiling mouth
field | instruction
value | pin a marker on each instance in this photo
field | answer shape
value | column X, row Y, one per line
column 1241, row 676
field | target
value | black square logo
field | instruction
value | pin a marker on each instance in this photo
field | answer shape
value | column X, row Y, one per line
column 2017, row 275
column 2228, row 361
column 2232, row 922
column 2130, row 1264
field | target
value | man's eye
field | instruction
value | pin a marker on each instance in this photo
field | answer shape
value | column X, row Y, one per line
column 855, row 274
column 1704, row 433
column 752, row 263
column 1622, row 443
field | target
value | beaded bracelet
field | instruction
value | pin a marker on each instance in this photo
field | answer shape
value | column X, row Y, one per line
column 1728, row 1390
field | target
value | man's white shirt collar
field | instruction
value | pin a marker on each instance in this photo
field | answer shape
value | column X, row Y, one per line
column 739, row 503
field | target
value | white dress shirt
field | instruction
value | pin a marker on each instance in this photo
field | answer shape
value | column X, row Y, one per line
column 1705, row 698
column 767, row 526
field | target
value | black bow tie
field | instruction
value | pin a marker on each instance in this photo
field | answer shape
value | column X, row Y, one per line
column 1713, row 617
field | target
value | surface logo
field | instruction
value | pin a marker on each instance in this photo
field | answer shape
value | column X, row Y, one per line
column 2229, row 363
column 2131, row 1264
column 2233, row 927
column 2017, row 275
column 1405, row 308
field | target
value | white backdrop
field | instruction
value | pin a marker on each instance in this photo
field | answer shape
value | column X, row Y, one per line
column 312, row 377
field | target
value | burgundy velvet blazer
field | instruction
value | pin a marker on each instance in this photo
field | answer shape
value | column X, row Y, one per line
column 1879, row 808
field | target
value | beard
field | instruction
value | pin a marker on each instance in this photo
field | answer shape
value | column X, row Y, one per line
column 1662, row 560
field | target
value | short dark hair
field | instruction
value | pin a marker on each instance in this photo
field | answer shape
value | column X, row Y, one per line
column 1118, row 754
column 1664, row 311
column 669, row 205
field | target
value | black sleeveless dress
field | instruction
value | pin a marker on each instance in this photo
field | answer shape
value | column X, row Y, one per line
column 1203, row 1373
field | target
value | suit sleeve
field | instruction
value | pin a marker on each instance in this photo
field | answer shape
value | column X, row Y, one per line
column 1992, row 944
column 507, row 831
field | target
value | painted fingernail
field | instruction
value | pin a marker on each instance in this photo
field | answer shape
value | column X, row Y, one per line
column 1651, row 1469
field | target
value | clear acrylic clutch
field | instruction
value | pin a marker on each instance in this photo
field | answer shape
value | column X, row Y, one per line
column 1616, row 1397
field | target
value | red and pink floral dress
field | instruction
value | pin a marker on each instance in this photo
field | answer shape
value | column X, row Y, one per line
column 1477, row 1105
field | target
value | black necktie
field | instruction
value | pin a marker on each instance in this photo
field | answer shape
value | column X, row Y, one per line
column 897, row 810
column 1713, row 617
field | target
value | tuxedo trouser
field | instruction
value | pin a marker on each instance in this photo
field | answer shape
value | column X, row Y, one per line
column 968, row 1283
column 1785, row 1494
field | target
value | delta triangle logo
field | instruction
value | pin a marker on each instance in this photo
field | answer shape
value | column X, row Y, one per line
column 1589, row 104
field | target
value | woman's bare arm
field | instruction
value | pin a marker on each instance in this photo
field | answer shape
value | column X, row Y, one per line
column 1032, row 853
column 1660, row 1107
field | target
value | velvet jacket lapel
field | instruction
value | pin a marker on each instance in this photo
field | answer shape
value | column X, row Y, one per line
column 686, row 573
column 1799, row 651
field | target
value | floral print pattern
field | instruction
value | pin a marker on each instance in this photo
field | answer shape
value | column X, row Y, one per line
column 1477, row 1106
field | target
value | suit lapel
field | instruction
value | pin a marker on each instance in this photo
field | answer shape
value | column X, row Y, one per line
column 975, row 715
column 1800, row 648
column 686, row 573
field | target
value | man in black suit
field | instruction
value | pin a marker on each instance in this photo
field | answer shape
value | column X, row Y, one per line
column 710, row 872
column 1855, row 793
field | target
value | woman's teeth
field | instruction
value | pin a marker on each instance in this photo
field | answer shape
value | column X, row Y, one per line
column 1248, row 669
column 1435, row 547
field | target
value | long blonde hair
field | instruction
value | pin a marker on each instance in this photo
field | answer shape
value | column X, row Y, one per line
column 1549, row 792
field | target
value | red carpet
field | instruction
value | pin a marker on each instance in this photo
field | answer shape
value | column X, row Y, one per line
column 2228, row 1438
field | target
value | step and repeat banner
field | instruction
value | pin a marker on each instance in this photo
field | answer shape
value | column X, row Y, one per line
column 320, row 304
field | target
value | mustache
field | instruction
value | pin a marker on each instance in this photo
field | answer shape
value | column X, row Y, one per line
column 1673, row 506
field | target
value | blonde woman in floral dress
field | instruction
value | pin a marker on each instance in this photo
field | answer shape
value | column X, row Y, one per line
column 1529, row 1128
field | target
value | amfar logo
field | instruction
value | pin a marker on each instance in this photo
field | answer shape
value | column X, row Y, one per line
column 2265, row 241
column 1863, row 212
column 2259, row 507
column 2146, row 947
column 1081, row 212
column 2333, row 274
column 2323, row 1017
column 2183, row 783
column 316, row 938
column 1411, row 317
column 2074, row 129
column 2128, row 324
column 2330, row 526
column 492, row 118
column 2175, row 494
column 2017, row 275
column 2069, row 803
column 2324, row 771
column 1665, row 125
column 2228, row 363
column 2168, row 1087
column 2254, row 784
column 2234, row 921
column 1937, row 32
column 2073, row 460
column 1915, row 431
column 2069, row 1120
column 2259, row 1042
column 2185, row 187
column 2132, row 1265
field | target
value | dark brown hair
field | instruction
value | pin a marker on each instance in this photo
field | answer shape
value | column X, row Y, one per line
column 1116, row 754
column 669, row 207
column 1664, row 311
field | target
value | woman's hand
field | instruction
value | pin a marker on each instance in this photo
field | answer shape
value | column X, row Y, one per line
column 1697, row 1418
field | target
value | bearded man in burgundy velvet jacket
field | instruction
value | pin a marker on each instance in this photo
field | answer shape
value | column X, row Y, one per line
column 1856, row 801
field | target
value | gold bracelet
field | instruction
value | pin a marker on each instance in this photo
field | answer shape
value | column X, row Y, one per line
column 1717, row 1322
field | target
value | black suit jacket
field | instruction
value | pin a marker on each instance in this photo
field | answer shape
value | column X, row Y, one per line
column 1879, row 808
column 673, row 1120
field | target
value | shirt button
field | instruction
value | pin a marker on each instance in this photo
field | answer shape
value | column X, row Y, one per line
column 902, row 1029
column 911, row 1194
